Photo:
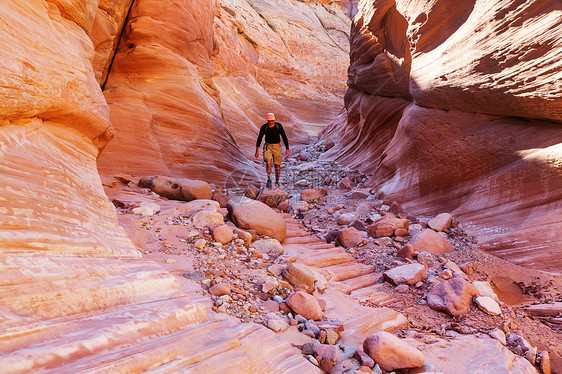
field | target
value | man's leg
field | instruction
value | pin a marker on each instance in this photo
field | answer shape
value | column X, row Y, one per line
column 277, row 173
column 268, row 169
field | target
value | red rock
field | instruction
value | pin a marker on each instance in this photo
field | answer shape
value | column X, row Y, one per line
column 407, row 251
column 177, row 188
column 359, row 195
column 386, row 226
column 244, row 235
column 283, row 206
column 326, row 351
column 365, row 369
column 222, row 234
column 406, row 274
column 273, row 196
column 304, row 304
column 220, row 289
column 401, row 232
column 440, row 222
column 429, row 241
column 220, row 197
column 453, row 296
column 349, row 237
column 345, row 184
column 300, row 276
column 310, row 195
column 364, row 358
column 259, row 217
column 392, row 353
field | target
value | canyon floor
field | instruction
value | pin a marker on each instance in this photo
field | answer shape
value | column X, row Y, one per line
column 357, row 299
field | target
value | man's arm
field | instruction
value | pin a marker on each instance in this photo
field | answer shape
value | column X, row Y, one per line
column 285, row 140
column 258, row 142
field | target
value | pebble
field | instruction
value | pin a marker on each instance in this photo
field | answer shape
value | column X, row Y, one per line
column 170, row 261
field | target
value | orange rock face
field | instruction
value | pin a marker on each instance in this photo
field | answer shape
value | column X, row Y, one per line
column 188, row 100
column 456, row 107
column 76, row 294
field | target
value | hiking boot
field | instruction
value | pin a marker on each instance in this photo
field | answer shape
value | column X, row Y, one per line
column 268, row 184
column 277, row 184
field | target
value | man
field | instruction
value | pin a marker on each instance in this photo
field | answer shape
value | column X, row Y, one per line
column 273, row 132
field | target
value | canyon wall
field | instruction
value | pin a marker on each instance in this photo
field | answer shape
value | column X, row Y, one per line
column 75, row 293
column 190, row 83
column 457, row 106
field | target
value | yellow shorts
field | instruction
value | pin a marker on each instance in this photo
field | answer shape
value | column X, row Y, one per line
column 273, row 150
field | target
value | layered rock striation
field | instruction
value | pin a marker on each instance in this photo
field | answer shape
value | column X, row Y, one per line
column 457, row 107
column 190, row 84
column 76, row 294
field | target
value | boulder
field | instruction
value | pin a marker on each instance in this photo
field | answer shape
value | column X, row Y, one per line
column 306, row 305
column 310, row 195
column 346, row 219
column 273, row 197
column 300, row 276
column 386, row 226
column 222, row 234
column 177, row 188
column 205, row 218
column 440, row 222
column 270, row 246
column 257, row 216
column 299, row 206
column 453, row 296
column 485, row 289
column 345, row 184
column 392, row 353
column 244, row 235
column 349, row 237
column 488, row 305
column 429, row 241
column 406, row 274
column 251, row 192
column 220, row 197
column 220, row 289
column 359, row 225
column 407, row 251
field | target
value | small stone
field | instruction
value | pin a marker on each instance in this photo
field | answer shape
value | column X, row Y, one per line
column 407, row 251
column 276, row 269
column 346, row 219
column 269, row 285
column 312, row 360
column 222, row 234
column 271, row 306
column 277, row 325
column 331, row 337
column 306, row 305
column 401, row 288
column 220, row 289
column 441, row 222
column 386, row 226
column 531, row 355
column 349, row 237
column 200, row 243
column 468, row 268
column 544, row 362
column 170, row 261
column 406, row 274
column 364, row 358
column 392, row 353
column 327, row 365
column 322, row 337
column 309, row 333
column 453, row 296
column 499, row 335
column 278, row 299
column 271, row 247
column 326, row 351
column 430, row 241
column 488, row 305
column 485, row 289
column 300, row 275
column 308, row 349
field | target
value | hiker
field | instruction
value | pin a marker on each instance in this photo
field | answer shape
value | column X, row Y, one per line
column 273, row 132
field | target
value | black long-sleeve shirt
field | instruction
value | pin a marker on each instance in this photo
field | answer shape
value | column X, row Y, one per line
column 272, row 135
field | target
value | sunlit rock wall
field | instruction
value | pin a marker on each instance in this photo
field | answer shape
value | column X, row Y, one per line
column 457, row 106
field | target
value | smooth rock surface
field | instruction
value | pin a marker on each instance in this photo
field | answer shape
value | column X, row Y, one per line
column 257, row 216
column 406, row 274
column 429, row 241
column 453, row 296
column 391, row 352
column 304, row 304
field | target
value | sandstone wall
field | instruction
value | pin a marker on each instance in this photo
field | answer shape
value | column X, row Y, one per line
column 190, row 83
column 75, row 294
column 457, row 106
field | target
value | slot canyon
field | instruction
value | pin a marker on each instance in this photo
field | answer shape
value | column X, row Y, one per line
column 415, row 227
